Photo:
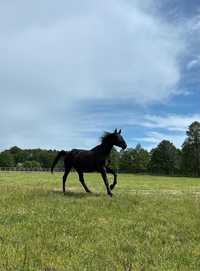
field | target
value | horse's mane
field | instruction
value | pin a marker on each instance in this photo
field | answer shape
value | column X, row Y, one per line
column 105, row 137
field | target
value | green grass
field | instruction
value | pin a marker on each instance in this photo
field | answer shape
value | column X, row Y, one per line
column 151, row 223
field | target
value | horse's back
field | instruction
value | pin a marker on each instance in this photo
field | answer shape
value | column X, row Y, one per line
column 84, row 160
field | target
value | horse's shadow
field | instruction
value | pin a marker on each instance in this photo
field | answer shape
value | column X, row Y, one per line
column 75, row 194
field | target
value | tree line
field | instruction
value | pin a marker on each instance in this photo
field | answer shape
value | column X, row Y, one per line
column 164, row 159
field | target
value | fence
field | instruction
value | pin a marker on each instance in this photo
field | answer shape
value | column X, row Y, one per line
column 21, row 169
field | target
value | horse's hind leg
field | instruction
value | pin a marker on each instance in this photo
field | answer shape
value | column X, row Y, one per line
column 113, row 172
column 81, row 179
column 105, row 179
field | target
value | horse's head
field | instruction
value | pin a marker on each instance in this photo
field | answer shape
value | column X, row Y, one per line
column 118, row 140
column 114, row 139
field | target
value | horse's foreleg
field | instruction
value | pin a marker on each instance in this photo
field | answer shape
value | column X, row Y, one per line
column 81, row 179
column 65, row 178
column 113, row 172
column 105, row 179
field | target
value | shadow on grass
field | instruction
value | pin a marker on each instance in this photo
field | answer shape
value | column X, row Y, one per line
column 76, row 194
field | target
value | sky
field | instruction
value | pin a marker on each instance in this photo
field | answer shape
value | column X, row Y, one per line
column 70, row 70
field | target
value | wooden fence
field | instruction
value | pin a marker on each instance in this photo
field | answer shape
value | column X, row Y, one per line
column 21, row 169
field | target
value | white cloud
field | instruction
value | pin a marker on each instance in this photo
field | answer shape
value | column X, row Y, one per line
column 194, row 24
column 174, row 129
column 192, row 28
column 113, row 49
column 171, row 122
column 54, row 55
column 154, row 138
column 193, row 63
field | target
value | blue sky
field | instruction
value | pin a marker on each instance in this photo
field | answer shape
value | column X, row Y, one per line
column 70, row 70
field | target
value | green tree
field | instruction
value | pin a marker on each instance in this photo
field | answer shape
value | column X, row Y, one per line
column 134, row 160
column 31, row 164
column 114, row 158
column 191, row 150
column 140, row 159
column 18, row 157
column 6, row 159
column 164, row 159
column 17, row 154
column 126, row 159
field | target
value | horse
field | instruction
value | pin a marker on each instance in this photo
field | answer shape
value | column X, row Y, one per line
column 93, row 160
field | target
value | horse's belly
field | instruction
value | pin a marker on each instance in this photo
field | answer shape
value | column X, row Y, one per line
column 84, row 165
column 85, row 168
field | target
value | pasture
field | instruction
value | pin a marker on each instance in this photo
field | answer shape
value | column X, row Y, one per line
column 151, row 223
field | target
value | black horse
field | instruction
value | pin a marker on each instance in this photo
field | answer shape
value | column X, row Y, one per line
column 92, row 160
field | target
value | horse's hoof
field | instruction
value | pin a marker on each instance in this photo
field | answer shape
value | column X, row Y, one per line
column 110, row 194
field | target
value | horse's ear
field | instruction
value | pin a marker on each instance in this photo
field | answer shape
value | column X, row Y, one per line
column 115, row 131
column 120, row 131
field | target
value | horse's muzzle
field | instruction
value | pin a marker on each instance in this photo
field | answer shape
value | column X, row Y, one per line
column 124, row 146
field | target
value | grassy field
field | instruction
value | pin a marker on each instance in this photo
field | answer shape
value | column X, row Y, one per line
column 151, row 223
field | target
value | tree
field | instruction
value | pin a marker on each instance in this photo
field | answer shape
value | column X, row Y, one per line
column 31, row 164
column 114, row 158
column 6, row 159
column 134, row 160
column 141, row 159
column 126, row 160
column 17, row 154
column 164, row 159
column 17, row 157
column 191, row 150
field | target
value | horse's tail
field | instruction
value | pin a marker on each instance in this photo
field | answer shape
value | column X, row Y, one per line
column 60, row 154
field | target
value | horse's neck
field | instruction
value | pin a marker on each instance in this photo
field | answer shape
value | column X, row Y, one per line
column 104, row 149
